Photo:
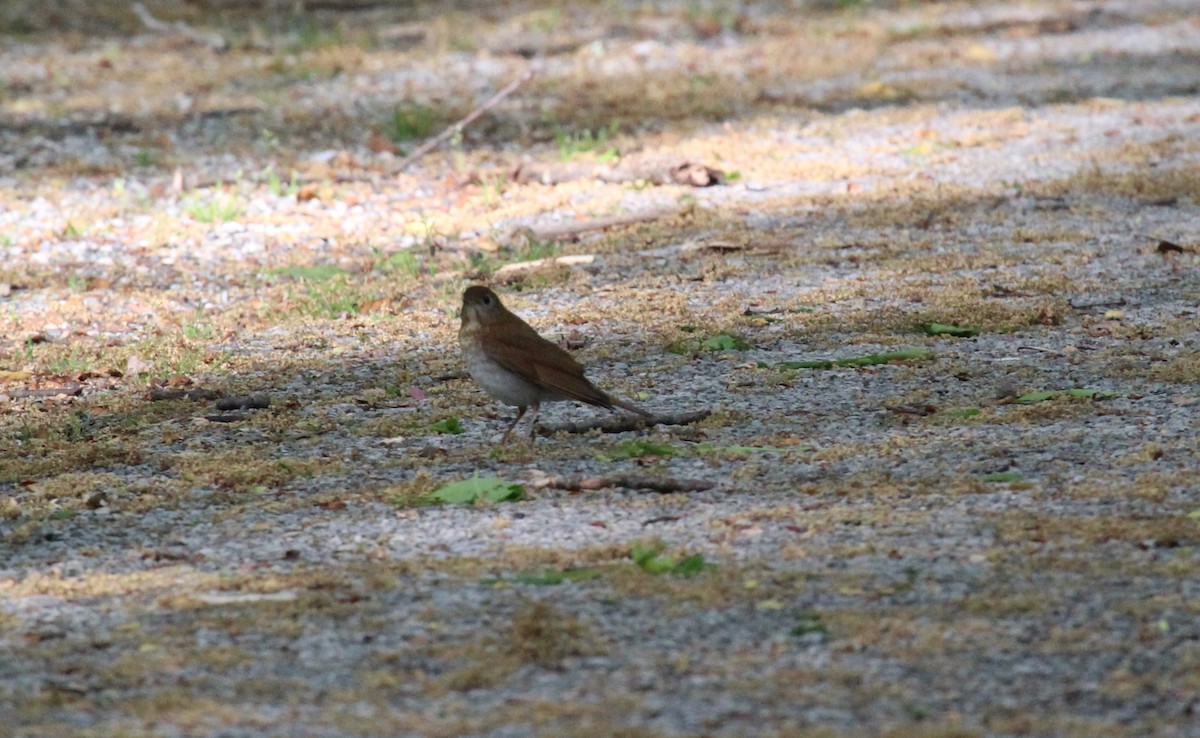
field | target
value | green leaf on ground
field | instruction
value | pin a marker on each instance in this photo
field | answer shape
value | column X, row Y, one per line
column 725, row 342
column 809, row 622
column 652, row 561
column 468, row 491
column 911, row 354
column 944, row 329
column 1091, row 394
column 547, row 577
column 449, row 425
column 690, row 566
column 411, row 121
column 647, row 557
column 712, row 448
column 550, row 577
column 965, row 412
column 1002, row 477
column 1030, row 398
column 638, row 449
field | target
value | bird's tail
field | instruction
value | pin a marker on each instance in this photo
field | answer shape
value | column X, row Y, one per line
column 618, row 402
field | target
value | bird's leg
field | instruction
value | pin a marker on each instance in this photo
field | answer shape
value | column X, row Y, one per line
column 533, row 422
column 520, row 414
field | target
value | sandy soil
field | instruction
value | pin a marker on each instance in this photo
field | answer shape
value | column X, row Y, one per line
column 230, row 388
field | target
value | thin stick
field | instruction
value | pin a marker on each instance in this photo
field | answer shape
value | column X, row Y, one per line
column 581, row 483
column 437, row 140
column 70, row 390
column 558, row 231
column 622, row 423
column 521, row 266
column 1056, row 352
column 196, row 394
column 215, row 41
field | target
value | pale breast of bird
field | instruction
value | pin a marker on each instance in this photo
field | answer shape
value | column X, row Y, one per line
column 499, row 382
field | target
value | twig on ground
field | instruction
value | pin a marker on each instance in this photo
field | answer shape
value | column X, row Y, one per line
column 1170, row 247
column 214, row 41
column 660, row 519
column 226, row 418
column 69, row 390
column 247, row 402
column 921, row 410
column 622, row 423
column 198, row 394
column 1097, row 301
column 578, row 482
column 524, row 266
column 563, row 231
column 1163, row 246
column 445, row 135
column 1040, row 349
column 685, row 173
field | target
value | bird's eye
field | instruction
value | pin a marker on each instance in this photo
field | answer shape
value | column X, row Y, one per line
column 486, row 300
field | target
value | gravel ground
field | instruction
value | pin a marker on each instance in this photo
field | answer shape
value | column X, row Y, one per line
column 947, row 546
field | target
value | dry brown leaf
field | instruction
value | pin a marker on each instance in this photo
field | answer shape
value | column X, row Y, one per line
column 380, row 143
column 135, row 365
column 382, row 305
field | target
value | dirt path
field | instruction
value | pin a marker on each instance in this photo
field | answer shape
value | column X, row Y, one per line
column 994, row 534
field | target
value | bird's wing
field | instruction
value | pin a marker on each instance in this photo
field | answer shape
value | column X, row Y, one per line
column 538, row 361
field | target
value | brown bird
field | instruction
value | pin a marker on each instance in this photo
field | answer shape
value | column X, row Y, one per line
column 513, row 364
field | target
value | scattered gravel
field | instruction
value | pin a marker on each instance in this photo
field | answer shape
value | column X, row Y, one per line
column 870, row 572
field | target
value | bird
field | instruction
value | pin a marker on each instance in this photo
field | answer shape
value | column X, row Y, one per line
column 512, row 363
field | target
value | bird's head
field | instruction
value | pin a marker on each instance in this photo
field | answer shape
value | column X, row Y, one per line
column 481, row 306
